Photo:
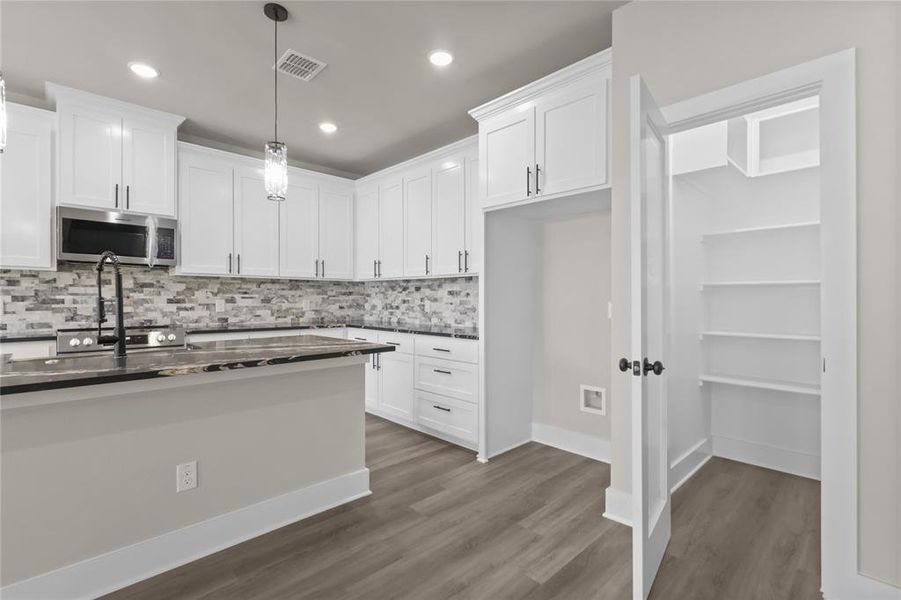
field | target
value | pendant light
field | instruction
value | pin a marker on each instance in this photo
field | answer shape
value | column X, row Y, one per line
column 3, row 122
column 276, row 152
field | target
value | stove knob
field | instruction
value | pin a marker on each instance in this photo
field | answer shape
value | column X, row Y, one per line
column 74, row 342
column 87, row 341
column 161, row 338
column 171, row 337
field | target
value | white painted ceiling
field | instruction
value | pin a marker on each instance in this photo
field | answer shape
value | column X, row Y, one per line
column 215, row 59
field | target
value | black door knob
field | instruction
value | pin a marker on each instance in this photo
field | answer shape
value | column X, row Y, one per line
column 625, row 365
column 656, row 367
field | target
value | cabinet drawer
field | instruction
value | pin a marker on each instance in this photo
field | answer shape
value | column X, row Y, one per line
column 447, row 348
column 447, row 377
column 402, row 342
column 447, row 415
column 363, row 335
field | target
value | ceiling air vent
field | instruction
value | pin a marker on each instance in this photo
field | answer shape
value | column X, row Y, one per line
column 299, row 65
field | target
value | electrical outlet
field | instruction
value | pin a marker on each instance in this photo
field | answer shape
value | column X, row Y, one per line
column 186, row 476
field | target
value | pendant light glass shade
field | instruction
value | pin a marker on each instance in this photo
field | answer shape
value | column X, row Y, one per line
column 3, row 122
column 276, row 175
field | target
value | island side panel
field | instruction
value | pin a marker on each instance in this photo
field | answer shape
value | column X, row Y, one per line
column 88, row 477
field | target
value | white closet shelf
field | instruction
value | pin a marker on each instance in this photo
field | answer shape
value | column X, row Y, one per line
column 764, row 384
column 788, row 226
column 784, row 282
column 762, row 336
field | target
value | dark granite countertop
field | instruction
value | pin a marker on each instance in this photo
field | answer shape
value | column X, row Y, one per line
column 469, row 333
column 44, row 374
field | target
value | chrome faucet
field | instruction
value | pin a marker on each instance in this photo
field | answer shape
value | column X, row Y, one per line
column 119, row 337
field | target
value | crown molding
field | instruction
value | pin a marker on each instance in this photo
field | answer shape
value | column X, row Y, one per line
column 57, row 93
column 587, row 66
column 467, row 143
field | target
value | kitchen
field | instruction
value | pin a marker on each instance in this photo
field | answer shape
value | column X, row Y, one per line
column 372, row 318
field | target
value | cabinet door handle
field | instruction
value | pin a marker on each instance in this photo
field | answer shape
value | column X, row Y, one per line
column 440, row 349
column 528, row 181
column 426, row 264
column 317, row 267
column 239, row 263
column 442, row 371
column 537, row 171
column 375, row 270
column 117, row 195
column 393, row 343
column 360, row 339
column 466, row 261
column 323, row 267
column 380, row 268
column 441, row 408
column 459, row 261
column 127, row 196
column 229, row 262
column 378, row 365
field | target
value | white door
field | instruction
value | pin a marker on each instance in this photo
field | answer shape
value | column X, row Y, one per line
column 650, row 465
column 336, row 232
column 26, row 174
column 475, row 219
column 205, row 214
column 571, row 138
column 418, row 223
column 396, row 390
column 366, row 240
column 507, row 161
column 148, row 165
column 256, row 226
column 391, row 229
column 299, row 228
column 449, row 216
column 90, row 158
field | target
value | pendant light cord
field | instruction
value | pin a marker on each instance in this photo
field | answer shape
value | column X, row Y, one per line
column 275, row 75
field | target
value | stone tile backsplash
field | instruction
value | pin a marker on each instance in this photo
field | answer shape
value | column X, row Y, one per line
column 40, row 302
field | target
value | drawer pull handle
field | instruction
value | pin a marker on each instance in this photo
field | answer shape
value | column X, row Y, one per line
column 361, row 339
column 440, row 349
column 442, row 371
column 441, row 408
column 393, row 343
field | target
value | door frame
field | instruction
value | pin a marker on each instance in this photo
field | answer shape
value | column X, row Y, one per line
column 833, row 78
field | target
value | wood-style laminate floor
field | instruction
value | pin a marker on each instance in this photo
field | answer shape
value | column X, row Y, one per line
column 527, row 525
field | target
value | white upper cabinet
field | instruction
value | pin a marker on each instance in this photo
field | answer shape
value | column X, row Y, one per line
column 114, row 155
column 475, row 218
column 367, row 231
column 336, row 243
column 448, row 216
column 508, row 161
column 391, row 228
column 205, row 213
column 571, row 137
column 299, row 228
column 26, row 203
column 256, row 225
column 549, row 138
column 148, row 166
column 418, row 222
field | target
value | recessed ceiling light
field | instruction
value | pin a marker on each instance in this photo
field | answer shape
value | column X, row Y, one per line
column 440, row 58
column 143, row 70
column 328, row 127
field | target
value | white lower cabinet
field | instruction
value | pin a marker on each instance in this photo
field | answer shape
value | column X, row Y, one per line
column 429, row 383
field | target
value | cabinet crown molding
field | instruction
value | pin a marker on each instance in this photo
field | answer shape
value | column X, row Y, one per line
column 467, row 143
column 591, row 64
column 57, row 93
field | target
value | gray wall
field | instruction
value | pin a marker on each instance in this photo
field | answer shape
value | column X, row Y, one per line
column 685, row 49
column 572, row 335
column 39, row 302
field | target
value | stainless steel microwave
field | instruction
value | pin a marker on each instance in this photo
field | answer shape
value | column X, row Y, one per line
column 84, row 234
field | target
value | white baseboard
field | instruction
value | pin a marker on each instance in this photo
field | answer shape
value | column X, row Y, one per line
column 571, row 441
column 859, row 587
column 684, row 467
column 120, row 568
column 618, row 506
column 770, row 457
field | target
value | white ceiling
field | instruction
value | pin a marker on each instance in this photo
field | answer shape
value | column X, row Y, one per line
column 215, row 58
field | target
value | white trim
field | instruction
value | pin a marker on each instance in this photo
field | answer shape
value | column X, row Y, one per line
column 57, row 93
column 586, row 66
column 588, row 446
column 690, row 462
column 618, row 506
column 466, row 144
column 769, row 457
column 123, row 567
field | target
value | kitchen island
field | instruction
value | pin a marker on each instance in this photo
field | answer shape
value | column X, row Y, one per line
column 90, row 447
